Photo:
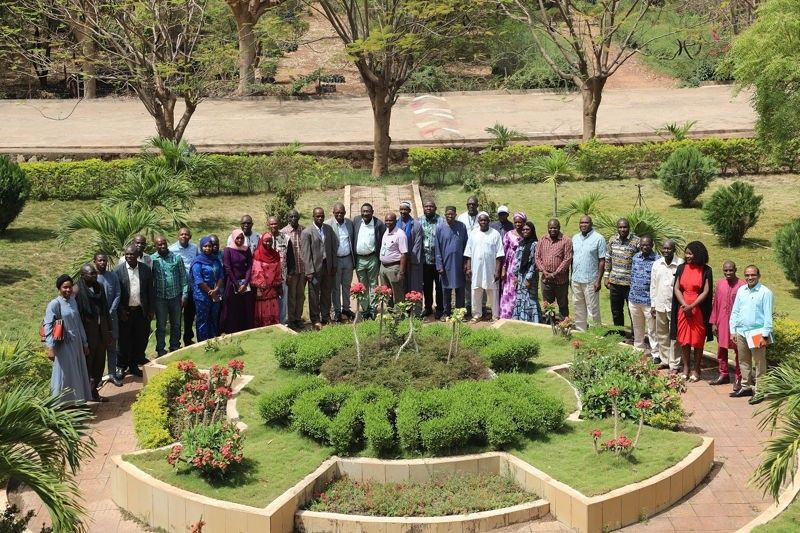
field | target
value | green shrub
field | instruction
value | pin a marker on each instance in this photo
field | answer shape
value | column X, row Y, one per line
column 477, row 338
column 686, row 174
column 786, row 247
column 733, row 210
column 275, row 407
column 151, row 410
column 15, row 187
column 433, row 166
column 787, row 342
column 365, row 416
column 314, row 348
column 510, row 353
column 597, row 160
column 286, row 349
column 314, row 410
column 70, row 180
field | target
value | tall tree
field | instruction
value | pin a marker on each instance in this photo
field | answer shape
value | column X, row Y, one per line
column 594, row 37
column 247, row 13
column 388, row 39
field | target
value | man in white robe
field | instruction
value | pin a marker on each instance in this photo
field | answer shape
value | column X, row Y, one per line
column 483, row 263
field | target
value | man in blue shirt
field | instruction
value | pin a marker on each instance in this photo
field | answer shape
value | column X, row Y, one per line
column 588, row 266
column 185, row 248
column 644, row 322
column 752, row 310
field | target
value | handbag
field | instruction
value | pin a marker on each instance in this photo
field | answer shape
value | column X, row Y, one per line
column 58, row 327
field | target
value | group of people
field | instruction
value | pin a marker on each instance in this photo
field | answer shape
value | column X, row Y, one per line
column 493, row 269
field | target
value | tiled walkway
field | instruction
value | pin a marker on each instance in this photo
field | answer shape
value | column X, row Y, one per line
column 724, row 502
column 383, row 199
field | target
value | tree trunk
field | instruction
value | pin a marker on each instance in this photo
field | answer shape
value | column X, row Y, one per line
column 87, row 61
column 592, row 93
column 382, row 115
column 247, row 51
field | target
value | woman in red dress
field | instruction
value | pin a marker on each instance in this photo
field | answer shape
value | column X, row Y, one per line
column 691, row 307
column 267, row 280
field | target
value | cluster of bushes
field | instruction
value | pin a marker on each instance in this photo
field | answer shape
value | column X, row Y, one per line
column 154, row 409
column 15, row 188
column 594, row 160
column 601, row 364
column 492, row 413
column 787, row 342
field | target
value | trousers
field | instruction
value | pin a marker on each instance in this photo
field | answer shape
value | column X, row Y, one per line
column 341, row 285
column 586, row 301
column 368, row 270
column 296, row 296
column 619, row 297
column 168, row 310
column 557, row 293
column 430, row 279
column 644, row 324
column 753, row 362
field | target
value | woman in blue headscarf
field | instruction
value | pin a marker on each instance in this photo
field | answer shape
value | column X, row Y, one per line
column 206, row 278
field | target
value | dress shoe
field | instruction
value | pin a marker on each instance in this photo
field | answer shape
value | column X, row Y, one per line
column 756, row 399
column 737, row 385
column 143, row 361
column 135, row 371
column 723, row 379
column 349, row 314
column 426, row 312
column 657, row 361
column 116, row 380
column 317, row 326
column 97, row 398
column 741, row 393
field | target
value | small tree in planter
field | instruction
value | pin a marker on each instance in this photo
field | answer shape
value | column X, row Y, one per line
column 383, row 293
column 406, row 307
column 456, row 318
column 359, row 292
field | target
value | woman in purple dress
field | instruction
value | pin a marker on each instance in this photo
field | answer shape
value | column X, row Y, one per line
column 511, row 242
column 239, row 303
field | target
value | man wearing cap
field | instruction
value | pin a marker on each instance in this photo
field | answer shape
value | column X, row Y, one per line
column 413, row 231
column 503, row 225
column 470, row 221
column 484, row 262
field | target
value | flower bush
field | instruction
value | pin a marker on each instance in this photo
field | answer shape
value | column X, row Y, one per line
column 211, row 449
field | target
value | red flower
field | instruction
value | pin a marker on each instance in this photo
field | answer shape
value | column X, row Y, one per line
column 577, row 344
column 596, row 433
column 613, row 392
column 414, row 296
column 224, row 391
column 383, row 290
column 358, row 288
column 644, row 404
column 236, row 364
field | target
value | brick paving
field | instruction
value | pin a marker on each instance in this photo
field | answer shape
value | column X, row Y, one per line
column 383, row 199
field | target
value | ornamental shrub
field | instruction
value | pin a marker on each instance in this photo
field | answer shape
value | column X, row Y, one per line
column 15, row 188
column 686, row 174
column 154, row 407
column 433, row 165
column 733, row 210
column 285, row 350
column 365, row 417
column 786, row 246
column 510, row 353
column 275, row 407
column 597, row 160
column 478, row 338
column 314, row 410
column 212, row 449
column 787, row 342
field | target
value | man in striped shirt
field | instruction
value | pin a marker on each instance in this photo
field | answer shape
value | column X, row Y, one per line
column 171, row 288
column 621, row 249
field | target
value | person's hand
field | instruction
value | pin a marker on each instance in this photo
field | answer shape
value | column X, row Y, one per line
column 607, row 285
column 597, row 286
column 123, row 316
column 86, row 351
column 401, row 275
column 497, row 275
column 468, row 272
column 733, row 340
column 503, row 273
column 653, row 312
column 715, row 330
column 309, row 277
column 441, row 272
column 51, row 354
column 151, row 315
column 762, row 343
column 183, row 303
column 688, row 310
column 527, row 284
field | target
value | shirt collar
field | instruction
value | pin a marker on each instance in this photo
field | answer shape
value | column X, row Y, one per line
column 754, row 289
column 130, row 267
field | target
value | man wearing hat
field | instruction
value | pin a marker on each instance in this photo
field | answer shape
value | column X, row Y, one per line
column 503, row 225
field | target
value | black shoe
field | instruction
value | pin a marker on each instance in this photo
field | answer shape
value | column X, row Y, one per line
column 657, row 361
column 121, row 371
column 187, row 343
column 723, row 379
column 97, row 398
column 741, row 393
column 143, row 361
column 349, row 314
column 135, row 371
column 113, row 378
column 756, row 399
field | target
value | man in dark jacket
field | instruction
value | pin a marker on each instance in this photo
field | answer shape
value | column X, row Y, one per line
column 137, row 297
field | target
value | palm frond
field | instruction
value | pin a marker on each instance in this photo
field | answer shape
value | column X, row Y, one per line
column 554, row 167
column 642, row 222
column 588, row 204
column 157, row 189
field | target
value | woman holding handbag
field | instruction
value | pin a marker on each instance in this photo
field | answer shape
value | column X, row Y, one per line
column 67, row 346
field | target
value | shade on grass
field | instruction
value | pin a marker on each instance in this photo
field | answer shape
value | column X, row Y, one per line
column 279, row 458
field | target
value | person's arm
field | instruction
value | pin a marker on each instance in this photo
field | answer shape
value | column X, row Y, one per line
column 183, row 279
column 248, row 273
column 498, row 267
column 703, row 295
column 113, row 305
column 49, row 320
column 733, row 321
column 715, row 313
column 766, row 308
column 601, row 266
column 539, row 260
column 468, row 266
column 227, row 265
column 151, row 295
column 437, row 254
column 306, row 242
column 676, row 289
column 653, row 289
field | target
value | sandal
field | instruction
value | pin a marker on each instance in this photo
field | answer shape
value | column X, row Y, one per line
column 693, row 379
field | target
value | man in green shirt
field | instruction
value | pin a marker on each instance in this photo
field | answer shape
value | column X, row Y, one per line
column 171, row 288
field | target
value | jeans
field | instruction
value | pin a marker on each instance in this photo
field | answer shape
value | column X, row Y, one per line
column 168, row 310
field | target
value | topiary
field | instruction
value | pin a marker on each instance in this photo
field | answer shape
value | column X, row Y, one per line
column 275, row 407
column 14, row 191
column 732, row 211
column 786, row 246
column 314, row 410
column 686, row 173
column 285, row 350
column 510, row 353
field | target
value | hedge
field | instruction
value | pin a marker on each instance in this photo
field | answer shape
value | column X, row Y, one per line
column 787, row 342
column 275, row 407
column 151, row 411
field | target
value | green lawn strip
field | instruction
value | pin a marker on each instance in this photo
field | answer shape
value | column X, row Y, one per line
column 786, row 522
column 568, row 456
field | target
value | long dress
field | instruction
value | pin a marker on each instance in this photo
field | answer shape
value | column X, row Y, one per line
column 238, row 310
column 69, row 368
column 267, row 281
column 511, row 242
column 526, row 302
column 450, row 244
column 691, row 330
column 206, row 310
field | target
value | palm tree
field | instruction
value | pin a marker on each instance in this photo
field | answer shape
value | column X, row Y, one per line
column 502, row 136
column 642, row 222
column 781, row 389
column 555, row 166
column 588, row 204
column 178, row 157
column 154, row 188
column 112, row 228
column 41, row 444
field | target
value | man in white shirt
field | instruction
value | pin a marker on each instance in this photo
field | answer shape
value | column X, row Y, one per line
column 470, row 220
column 484, row 262
column 368, row 235
column 345, row 261
column 662, row 279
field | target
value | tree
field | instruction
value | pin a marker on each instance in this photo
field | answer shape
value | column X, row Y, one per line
column 388, row 39
column 594, row 37
column 42, row 444
column 555, row 166
column 733, row 210
column 642, row 222
column 15, row 187
column 247, row 13
column 786, row 246
column 766, row 57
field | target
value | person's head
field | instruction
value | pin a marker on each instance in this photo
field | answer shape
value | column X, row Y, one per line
column 238, row 239
column 206, row 246
column 293, row 217
column 405, row 210
column 390, row 219
column 646, row 244
column 184, row 236
column 132, row 256
column 483, row 221
column 696, row 253
column 214, row 243
column 729, row 270
column 319, row 216
column 100, row 262
column 267, row 241
column 623, row 228
column 585, row 224
column 161, row 246
column 472, row 206
column 140, row 241
column 366, row 212
column 274, row 225
column 64, row 285
column 89, row 274
column 339, row 212
column 553, row 228
column 752, row 275
column 429, row 208
column 450, row 214
column 502, row 214
column 668, row 250
column 528, row 230
column 519, row 220
column 246, row 223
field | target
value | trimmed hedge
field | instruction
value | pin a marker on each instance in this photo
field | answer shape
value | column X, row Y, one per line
column 275, row 407
column 151, row 410
column 510, row 353
column 787, row 342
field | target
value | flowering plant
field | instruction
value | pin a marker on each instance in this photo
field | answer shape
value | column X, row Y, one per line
column 383, row 293
column 405, row 308
column 620, row 444
column 550, row 314
column 205, row 395
column 359, row 292
column 209, row 448
column 565, row 326
column 596, row 434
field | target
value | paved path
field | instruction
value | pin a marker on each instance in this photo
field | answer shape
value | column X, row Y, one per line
column 383, row 199
column 116, row 125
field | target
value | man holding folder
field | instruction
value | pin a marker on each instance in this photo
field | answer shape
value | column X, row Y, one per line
column 751, row 331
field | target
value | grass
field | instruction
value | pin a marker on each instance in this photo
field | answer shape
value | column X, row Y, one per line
column 279, row 457
column 786, row 522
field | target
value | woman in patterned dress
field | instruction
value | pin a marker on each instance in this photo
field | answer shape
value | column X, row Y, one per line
column 526, row 304
column 511, row 242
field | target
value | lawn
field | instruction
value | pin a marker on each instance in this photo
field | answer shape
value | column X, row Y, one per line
column 786, row 522
column 280, row 457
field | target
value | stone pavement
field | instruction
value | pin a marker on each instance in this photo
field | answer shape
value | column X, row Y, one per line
column 383, row 200
column 114, row 125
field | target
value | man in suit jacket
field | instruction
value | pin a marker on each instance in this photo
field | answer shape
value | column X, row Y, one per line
column 318, row 246
column 368, row 236
column 345, row 262
column 137, row 298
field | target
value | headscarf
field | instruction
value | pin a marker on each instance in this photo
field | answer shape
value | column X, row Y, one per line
column 61, row 279
column 482, row 213
column 405, row 203
column 267, row 269
column 266, row 255
column 202, row 257
column 232, row 241
column 520, row 214
column 527, row 244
